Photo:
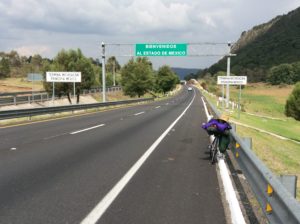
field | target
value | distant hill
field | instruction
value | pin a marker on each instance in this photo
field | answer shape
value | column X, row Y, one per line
column 264, row 46
column 182, row 72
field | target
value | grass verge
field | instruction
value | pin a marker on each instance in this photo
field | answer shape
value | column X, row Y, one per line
column 263, row 99
column 281, row 156
column 19, row 85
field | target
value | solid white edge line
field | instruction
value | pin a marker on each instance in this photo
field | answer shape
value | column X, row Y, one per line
column 206, row 110
column 234, row 206
column 139, row 113
column 86, row 129
column 101, row 207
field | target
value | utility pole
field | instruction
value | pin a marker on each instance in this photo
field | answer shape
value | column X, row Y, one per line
column 114, row 71
column 228, row 73
column 103, row 73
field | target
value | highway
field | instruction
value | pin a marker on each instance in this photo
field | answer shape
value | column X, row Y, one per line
column 142, row 164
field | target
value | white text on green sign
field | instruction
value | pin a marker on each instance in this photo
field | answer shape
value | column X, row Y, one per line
column 149, row 50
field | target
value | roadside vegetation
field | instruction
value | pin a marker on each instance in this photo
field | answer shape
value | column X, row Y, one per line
column 137, row 77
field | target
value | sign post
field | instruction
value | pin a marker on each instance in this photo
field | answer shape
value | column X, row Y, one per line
column 228, row 72
column 233, row 80
column 62, row 77
column 103, row 74
column 53, row 92
column 240, row 96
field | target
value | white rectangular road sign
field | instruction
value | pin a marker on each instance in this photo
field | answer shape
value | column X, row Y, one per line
column 232, row 80
column 63, row 76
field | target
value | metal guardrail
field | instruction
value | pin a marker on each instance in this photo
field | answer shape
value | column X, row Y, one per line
column 21, row 93
column 277, row 203
column 8, row 114
column 15, row 98
column 37, row 92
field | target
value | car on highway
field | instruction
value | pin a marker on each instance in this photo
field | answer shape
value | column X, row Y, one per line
column 190, row 88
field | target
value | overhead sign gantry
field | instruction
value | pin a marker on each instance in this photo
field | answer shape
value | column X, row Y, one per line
column 166, row 50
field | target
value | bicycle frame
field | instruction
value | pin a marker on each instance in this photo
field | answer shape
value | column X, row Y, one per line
column 213, row 149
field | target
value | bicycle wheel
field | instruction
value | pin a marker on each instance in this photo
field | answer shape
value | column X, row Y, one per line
column 211, row 148
column 214, row 151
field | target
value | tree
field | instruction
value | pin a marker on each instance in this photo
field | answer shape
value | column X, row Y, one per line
column 112, row 67
column 112, row 63
column 137, row 77
column 296, row 68
column 72, row 60
column 4, row 68
column 283, row 73
column 292, row 106
column 166, row 79
column 14, row 59
column 37, row 61
column 108, row 80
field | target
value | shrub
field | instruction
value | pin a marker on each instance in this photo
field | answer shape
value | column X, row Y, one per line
column 292, row 106
column 283, row 73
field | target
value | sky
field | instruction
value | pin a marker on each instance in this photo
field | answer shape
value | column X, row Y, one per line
column 45, row 27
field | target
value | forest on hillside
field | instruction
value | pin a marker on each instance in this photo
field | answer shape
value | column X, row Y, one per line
column 263, row 47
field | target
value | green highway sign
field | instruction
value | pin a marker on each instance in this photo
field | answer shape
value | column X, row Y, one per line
column 148, row 50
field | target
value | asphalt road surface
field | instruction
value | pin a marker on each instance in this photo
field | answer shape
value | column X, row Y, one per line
column 59, row 171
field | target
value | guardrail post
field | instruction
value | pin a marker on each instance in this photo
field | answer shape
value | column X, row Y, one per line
column 248, row 142
column 233, row 127
column 290, row 183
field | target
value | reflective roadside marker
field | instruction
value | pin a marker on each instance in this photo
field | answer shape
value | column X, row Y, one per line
column 269, row 208
column 237, row 155
column 270, row 190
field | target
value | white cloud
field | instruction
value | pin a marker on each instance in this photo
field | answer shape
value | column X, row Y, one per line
column 29, row 25
column 32, row 50
column 102, row 17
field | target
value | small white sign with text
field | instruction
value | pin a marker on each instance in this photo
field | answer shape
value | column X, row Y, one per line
column 63, row 76
column 232, row 80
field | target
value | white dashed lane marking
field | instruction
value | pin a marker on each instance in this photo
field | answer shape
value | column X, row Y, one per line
column 86, row 129
column 139, row 113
